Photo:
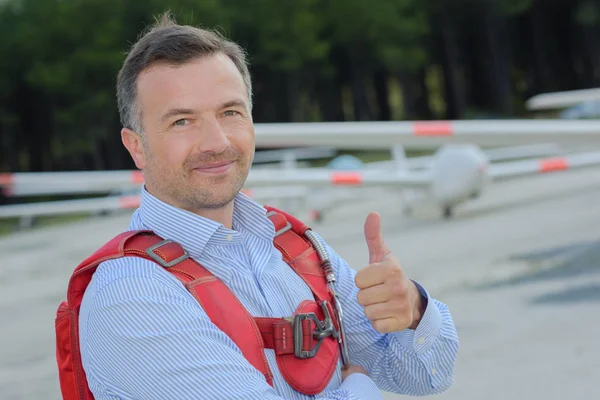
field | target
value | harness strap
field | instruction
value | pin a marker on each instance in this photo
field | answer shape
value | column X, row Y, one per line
column 278, row 334
column 298, row 252
column 213, row 295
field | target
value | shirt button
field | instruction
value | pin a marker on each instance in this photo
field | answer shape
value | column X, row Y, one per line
column 229, row 238
column 421, row 340
column 433, row 371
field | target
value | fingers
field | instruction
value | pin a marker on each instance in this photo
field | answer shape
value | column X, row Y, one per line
column 388, row 317
column 377, row 274
column 396, row 294
column 370, row 276
column 387, row 325
column 373, row 295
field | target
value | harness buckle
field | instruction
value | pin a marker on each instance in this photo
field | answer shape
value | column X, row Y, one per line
column 323, row 330
column 150, row 251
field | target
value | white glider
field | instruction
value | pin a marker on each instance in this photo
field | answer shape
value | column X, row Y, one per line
column 457, row 173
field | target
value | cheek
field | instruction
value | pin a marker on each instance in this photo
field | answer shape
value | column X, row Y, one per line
column 172, row 151
column 241, row 135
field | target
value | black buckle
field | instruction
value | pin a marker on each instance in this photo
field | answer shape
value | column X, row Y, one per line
column 324, row 329
column 158, row 259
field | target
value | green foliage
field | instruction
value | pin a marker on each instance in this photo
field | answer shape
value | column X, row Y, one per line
column 588, row 13
column 59, row 60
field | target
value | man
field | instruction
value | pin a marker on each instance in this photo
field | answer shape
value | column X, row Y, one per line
column 184, row 96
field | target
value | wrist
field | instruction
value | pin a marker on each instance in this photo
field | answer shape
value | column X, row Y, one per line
column 419, row 308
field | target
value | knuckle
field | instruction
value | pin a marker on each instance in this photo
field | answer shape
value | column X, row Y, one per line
column 403, row 310
column 397, row 289
column 381, row 325
column 370, row 313
column 394, row 271
column 406, row 320
column 362, row 298
column 361, row 277
column 358, row 279
column 378, row 325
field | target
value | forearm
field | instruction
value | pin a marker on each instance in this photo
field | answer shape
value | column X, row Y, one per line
column 415, row 362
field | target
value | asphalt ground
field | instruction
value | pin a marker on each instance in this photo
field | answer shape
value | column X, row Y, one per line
column 518, row 267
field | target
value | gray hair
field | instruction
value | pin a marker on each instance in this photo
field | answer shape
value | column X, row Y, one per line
column 172, row 44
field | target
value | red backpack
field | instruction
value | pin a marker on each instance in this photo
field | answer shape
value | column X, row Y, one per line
column 305, row 344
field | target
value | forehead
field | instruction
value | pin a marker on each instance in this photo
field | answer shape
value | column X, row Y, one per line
column 200, row 84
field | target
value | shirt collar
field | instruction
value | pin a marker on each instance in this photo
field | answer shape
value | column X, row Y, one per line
column 194, row 232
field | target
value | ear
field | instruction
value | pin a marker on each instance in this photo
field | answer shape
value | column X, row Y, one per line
column 133, row 143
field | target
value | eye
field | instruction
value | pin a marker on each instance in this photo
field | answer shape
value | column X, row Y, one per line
column 231, row 113
column 181, row 122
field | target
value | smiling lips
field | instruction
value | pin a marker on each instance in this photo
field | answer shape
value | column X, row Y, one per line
column 215, row 168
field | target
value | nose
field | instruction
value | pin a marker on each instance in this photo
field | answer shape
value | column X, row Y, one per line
column 213, row 138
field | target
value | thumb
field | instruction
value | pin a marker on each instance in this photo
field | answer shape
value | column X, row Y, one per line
column 377, row 248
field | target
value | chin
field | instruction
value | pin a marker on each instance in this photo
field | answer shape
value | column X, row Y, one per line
column 221, row 200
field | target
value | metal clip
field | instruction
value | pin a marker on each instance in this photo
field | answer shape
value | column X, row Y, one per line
column 341, row 334
column 330, row 278
column 323, row 330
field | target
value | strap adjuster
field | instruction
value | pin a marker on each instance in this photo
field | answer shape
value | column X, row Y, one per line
column 150, row 252
column 323, row 330
column 286, row 228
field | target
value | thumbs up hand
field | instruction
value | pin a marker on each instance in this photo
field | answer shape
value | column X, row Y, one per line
column 391, row 301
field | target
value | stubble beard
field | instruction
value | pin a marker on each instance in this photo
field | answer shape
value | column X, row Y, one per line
column 187, row 191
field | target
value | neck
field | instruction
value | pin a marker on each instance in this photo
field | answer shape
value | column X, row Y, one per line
column 224, row 215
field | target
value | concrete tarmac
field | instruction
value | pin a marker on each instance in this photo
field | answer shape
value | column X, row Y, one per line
column 519, row 269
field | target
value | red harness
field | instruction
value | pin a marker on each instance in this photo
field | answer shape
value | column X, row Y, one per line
column 305, row 344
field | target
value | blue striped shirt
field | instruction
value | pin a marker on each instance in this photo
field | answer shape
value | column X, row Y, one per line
column 143, row 335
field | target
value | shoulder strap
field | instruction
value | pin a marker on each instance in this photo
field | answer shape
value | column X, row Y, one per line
column 115, row 248
column 213, row 295
column 73, row 382
column 218, row 301
column 299, row 252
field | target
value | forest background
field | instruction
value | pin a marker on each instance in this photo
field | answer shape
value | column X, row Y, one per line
column 311, row 60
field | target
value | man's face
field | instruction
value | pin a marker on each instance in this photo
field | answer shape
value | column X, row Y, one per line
column 198, row 140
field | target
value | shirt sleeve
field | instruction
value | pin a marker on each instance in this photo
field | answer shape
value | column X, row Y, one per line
column 144, row 337
column 412, row 362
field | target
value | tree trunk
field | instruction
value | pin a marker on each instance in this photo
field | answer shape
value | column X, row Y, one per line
column 117, row 156
column 409, row 95
column 423, row 107
column 454, row 90
column 328, row 94
column 497, row 55
column 415, row 95
column 36, row 128
column 293, row 83
column 360, row 72
column 562, row 48
column 382, row 94
column 541, row 78
column 591, row 53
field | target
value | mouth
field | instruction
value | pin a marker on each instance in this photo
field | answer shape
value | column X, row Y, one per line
column 215, row 168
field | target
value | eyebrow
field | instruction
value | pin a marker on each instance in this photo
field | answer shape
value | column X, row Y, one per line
column 190, row 111
column 234, row 103
column 177, row 111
